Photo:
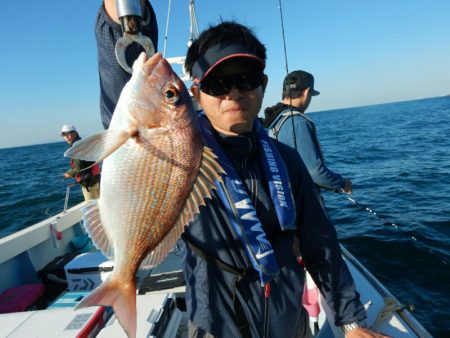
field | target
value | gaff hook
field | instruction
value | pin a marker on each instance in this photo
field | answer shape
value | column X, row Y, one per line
column 130, row 15
column 128, row 39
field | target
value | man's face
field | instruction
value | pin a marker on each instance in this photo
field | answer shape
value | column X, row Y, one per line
column 70, row 136
column 232, row 113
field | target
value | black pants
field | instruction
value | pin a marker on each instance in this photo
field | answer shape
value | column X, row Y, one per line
column 304, row 330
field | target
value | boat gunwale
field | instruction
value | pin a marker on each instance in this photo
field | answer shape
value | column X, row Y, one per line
column 23, row 240
column 404, row 314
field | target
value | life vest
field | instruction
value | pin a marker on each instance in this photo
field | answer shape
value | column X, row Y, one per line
column 85, row 177
column 238, row 205
column 275, row 127
column 95, row 170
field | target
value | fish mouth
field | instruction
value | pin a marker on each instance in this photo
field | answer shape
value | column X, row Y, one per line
column 149, row 64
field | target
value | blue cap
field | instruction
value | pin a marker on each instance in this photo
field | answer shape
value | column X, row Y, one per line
column 219, row 53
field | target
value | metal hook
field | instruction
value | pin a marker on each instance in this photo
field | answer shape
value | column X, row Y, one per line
column 128, row 39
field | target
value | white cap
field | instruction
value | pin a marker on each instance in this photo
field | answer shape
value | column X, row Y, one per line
column 67, row 128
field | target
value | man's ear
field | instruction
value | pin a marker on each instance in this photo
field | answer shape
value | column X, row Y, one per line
column 195, row 91
column 306, row 92
column 264, row 83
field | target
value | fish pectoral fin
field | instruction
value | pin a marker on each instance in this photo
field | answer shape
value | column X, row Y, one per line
column 93, row 225
column 209, row 173
column 150, row 133
column 99, row 146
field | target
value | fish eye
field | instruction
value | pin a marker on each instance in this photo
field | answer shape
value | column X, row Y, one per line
column 171, row 94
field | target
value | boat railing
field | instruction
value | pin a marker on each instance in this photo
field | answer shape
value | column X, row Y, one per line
column 25, row 252
column 404, row 314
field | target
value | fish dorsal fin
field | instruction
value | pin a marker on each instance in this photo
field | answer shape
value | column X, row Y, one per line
column 209, row 172
column 99, row 146
column 93, row 226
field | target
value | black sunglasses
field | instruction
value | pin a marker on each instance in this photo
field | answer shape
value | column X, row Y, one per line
column 218, row 86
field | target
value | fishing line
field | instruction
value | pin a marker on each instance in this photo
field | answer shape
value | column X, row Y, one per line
column 66, row 182
column 386, row 221
column 49, row 211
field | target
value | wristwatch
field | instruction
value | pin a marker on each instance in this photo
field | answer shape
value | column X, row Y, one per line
column 353, row 325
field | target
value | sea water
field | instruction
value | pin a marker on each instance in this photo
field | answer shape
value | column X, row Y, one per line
column 32, row 185
column 398, row 157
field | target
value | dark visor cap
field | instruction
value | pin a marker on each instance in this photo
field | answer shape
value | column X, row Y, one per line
column 219, row 53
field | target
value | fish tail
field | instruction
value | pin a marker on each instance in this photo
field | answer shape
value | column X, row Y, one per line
column 121, row 296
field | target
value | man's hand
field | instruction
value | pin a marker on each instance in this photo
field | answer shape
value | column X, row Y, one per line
column 66, row 175
column 347, row 188
column 364, row 333
column 111, row 9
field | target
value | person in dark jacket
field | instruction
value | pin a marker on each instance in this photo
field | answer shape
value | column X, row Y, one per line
column 298, row 89
column 111, row 75
column 84, row 172
column 241, row 272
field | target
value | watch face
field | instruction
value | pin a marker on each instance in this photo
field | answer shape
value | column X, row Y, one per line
column 348, row 327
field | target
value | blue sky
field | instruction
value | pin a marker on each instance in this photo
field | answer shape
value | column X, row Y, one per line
column 360, row 52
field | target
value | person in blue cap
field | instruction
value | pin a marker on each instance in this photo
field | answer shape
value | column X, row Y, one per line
column 298, row 89
column 111, row 75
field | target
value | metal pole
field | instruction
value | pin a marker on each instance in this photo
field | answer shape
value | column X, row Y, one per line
column 66, row 202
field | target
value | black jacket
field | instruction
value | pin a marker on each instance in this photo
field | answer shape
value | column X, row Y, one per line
column 209, row 288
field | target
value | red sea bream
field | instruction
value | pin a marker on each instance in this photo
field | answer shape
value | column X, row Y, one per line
column 155, row 174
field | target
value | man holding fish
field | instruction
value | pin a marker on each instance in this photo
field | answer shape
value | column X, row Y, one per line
column 242, row 199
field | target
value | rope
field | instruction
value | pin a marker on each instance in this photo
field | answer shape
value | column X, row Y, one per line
column 386, row 221
column 390, row 306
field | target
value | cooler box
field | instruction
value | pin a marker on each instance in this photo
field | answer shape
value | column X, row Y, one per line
column 87, row 271
column 162, row 281
column 56, row 323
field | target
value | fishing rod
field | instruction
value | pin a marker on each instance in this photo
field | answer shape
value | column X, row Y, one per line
column 386, row 221
column 283, row 35
column 66, row 200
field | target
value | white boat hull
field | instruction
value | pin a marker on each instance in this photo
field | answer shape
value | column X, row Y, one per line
column 24, row 253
